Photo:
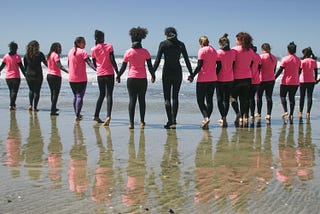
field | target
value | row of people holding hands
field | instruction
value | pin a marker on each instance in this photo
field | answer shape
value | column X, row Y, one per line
column 238, row 74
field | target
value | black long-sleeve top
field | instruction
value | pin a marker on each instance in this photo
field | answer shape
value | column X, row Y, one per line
column 33, row 68
column 172, row 49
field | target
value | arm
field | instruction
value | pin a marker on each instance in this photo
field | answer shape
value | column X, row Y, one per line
column 196, row 70
column 218, row 67
column 316, row 74
column 90, row 64
column 122, row 69
column 94, row 62
column 150, row 68
column 186, row 59
column 113, row 62
column 158, row 58
column 22, row 68
column 44, row 60
column 2, row 66
column 58, row 63
column 279, row 72
column 25, row 63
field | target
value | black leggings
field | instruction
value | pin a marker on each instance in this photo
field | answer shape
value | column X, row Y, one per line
column 240, row 90
column 137, row 89
column 171, row 87
column 205, row 91
column 13, row 85
column 303, row 88
column 251, row 99
column 291, row 90
column 55, row 86
column 223, row 97
column 34, row 90
column 268, row 88
column 106, row 85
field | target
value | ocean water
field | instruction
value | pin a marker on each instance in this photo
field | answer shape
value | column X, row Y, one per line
column 53, row 165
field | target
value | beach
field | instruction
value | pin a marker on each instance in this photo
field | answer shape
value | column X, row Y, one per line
column 56, row 165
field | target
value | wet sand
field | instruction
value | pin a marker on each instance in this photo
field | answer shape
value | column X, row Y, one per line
column 54, row 165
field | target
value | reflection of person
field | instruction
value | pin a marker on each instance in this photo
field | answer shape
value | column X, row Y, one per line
column 137, row 83
column 290, row 66
column 136, row 194
column 77, row 59
column 77, row 173
column 171, row 195
column 104, row 176
column 55, row 156
column 225, row 77
column 54, row 75
column 267, row 79
column 207, row 78
column 33, row 150
column 12, row 61
column 14, row 156
column 104, row 61
column 172, row 49
column 34, row 73
column 204, row 172
column 308, row 77
column 242, row 76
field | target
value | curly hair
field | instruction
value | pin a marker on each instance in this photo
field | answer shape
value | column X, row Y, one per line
column 55, row 47
column 32, row 49
column 138, row 33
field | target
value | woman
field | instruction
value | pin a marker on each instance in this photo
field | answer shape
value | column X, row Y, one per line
column 290, row 66
column 206, row 82
column 242, row 76
column 54, row 75
column 137, row 82
column 103, row 60
column 267, row 79
column 227, row 58
column 255, row 82
column 12, row 61
column 172, row 49
column 34, row 74
column 77, row 59
column 308, row 77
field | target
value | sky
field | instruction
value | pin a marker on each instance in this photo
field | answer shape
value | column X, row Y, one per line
column 277, row 22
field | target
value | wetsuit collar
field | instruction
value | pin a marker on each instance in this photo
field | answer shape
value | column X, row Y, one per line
column 136, row 45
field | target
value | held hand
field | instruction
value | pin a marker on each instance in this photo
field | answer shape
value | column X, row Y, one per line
column 118, row 79
column 317, row 81
column 153, row 79
column 190, row 78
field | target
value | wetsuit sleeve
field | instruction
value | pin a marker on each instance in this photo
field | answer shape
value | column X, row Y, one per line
column 113, row 62
column 158, row 58
column 2, row 66
column 316, row 74
column 186, row 59
column 279, row 72
column 150, row 67
column 89, row 62
column 94, row 62
column 218, row 67
column 197, row 69
column 58, row 63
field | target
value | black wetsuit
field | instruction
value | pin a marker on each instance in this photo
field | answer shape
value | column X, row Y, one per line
column 172, row 73
column 34, row 76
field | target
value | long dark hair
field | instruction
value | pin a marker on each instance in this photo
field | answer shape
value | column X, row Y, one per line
column 55, row 47
column 266, row 47
column 32, row 50
column 77, row 41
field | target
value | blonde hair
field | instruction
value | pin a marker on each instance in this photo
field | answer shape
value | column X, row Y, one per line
column 204, row 41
